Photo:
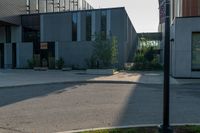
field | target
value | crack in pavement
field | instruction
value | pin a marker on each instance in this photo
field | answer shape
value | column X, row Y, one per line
column 11, row 129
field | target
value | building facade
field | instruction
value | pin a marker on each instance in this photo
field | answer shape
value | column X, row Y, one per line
column 53, row 29
column 185, row 38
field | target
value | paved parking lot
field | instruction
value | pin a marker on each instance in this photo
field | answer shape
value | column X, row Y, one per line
column 61, row 107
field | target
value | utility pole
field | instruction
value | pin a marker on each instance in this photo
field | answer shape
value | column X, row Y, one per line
column 165, row 127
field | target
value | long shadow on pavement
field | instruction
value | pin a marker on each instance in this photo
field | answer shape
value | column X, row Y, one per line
column 11, row 95
column 185, row 101
column 144, row 106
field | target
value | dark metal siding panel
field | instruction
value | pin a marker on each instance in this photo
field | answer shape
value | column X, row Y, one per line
column 31, row 21
column 10, row 9
column 190, row 8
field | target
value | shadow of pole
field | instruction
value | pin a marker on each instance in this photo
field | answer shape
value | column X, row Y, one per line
column 144, row 106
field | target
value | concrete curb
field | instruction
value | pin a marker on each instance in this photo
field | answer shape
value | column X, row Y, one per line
column 104, row 128
column 129, row 126
column 81, row 82
column 94, row 81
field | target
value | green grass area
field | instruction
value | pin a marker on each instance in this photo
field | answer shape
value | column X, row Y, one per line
column 176, row 129
column 125, row 130
column 187, row 129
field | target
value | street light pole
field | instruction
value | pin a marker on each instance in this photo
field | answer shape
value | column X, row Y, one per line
column 165, row 128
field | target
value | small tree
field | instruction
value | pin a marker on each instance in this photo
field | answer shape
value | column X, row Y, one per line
column 105, row 51
column 146, row 57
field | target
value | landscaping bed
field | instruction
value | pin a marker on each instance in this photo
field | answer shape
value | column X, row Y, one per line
column 176, row 129
column 101, row 71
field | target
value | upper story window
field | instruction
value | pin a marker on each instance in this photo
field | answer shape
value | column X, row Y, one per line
column 62, row 5
column 88, row 26
column 8, row 34
column 74, row 26
column 103, row 24
column 27, row 6
column 37, row 5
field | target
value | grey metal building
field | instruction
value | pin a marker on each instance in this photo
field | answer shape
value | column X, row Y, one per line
column 60, row 28
column 185, row 47
column 185, row 37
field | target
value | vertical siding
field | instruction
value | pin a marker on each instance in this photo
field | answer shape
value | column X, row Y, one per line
column 108, row 22
column 2, row 35
column 83, row 26
column 10, row 8
column 93, row 25
column 79, row 26
column 191, row 7
column 57, row 28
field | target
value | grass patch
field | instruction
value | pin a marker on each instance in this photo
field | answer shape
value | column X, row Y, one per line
column 187, row 129
column 176, row 129
column 125, row 130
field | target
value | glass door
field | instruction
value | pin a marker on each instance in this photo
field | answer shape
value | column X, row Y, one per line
column 1, row 55
column 14, row 55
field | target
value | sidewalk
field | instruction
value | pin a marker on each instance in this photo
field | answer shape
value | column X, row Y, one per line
column 9, row 78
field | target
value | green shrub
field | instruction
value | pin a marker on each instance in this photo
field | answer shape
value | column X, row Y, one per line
column 146, row 59
column 60, row 63
column 51, row 63
column 30, row 63
column 36, row 59
column 92, row 62
column 34, row 62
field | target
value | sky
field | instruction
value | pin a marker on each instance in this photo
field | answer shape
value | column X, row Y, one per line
column 144, row 14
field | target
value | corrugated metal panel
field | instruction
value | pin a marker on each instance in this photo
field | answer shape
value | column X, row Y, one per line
column 10, row 9
column 191, row 8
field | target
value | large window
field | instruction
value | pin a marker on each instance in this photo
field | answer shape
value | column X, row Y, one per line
column 103, row 24
column 88, row 26
column 8, row 34
column 196, row 51
column 1, row 55
column 74, row 26
column 31, row 31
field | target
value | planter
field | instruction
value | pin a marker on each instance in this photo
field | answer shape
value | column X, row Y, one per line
column 40, row 68
column 66, row 69
column 101, row 71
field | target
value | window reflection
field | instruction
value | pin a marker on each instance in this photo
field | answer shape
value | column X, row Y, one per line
column 196, row 51
column 88, row 26
column 74, row 26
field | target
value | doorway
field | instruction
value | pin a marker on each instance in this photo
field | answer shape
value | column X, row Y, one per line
column 1, row 55
column 14, row 55
column 47, row 54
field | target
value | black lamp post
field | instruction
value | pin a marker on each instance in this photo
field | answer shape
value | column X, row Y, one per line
column 165, row 127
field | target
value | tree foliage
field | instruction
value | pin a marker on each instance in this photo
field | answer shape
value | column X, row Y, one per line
column 146, row 57
column 105, row 52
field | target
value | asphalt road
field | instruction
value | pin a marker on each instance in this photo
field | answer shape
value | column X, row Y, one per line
column 61, row 107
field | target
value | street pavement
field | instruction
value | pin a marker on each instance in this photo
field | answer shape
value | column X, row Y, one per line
column 30, row 77
column 60, row 107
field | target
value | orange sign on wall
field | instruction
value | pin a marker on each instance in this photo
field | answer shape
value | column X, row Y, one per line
column 43, row 45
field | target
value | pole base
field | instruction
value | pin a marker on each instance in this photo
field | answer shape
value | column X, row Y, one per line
column 164, row 129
